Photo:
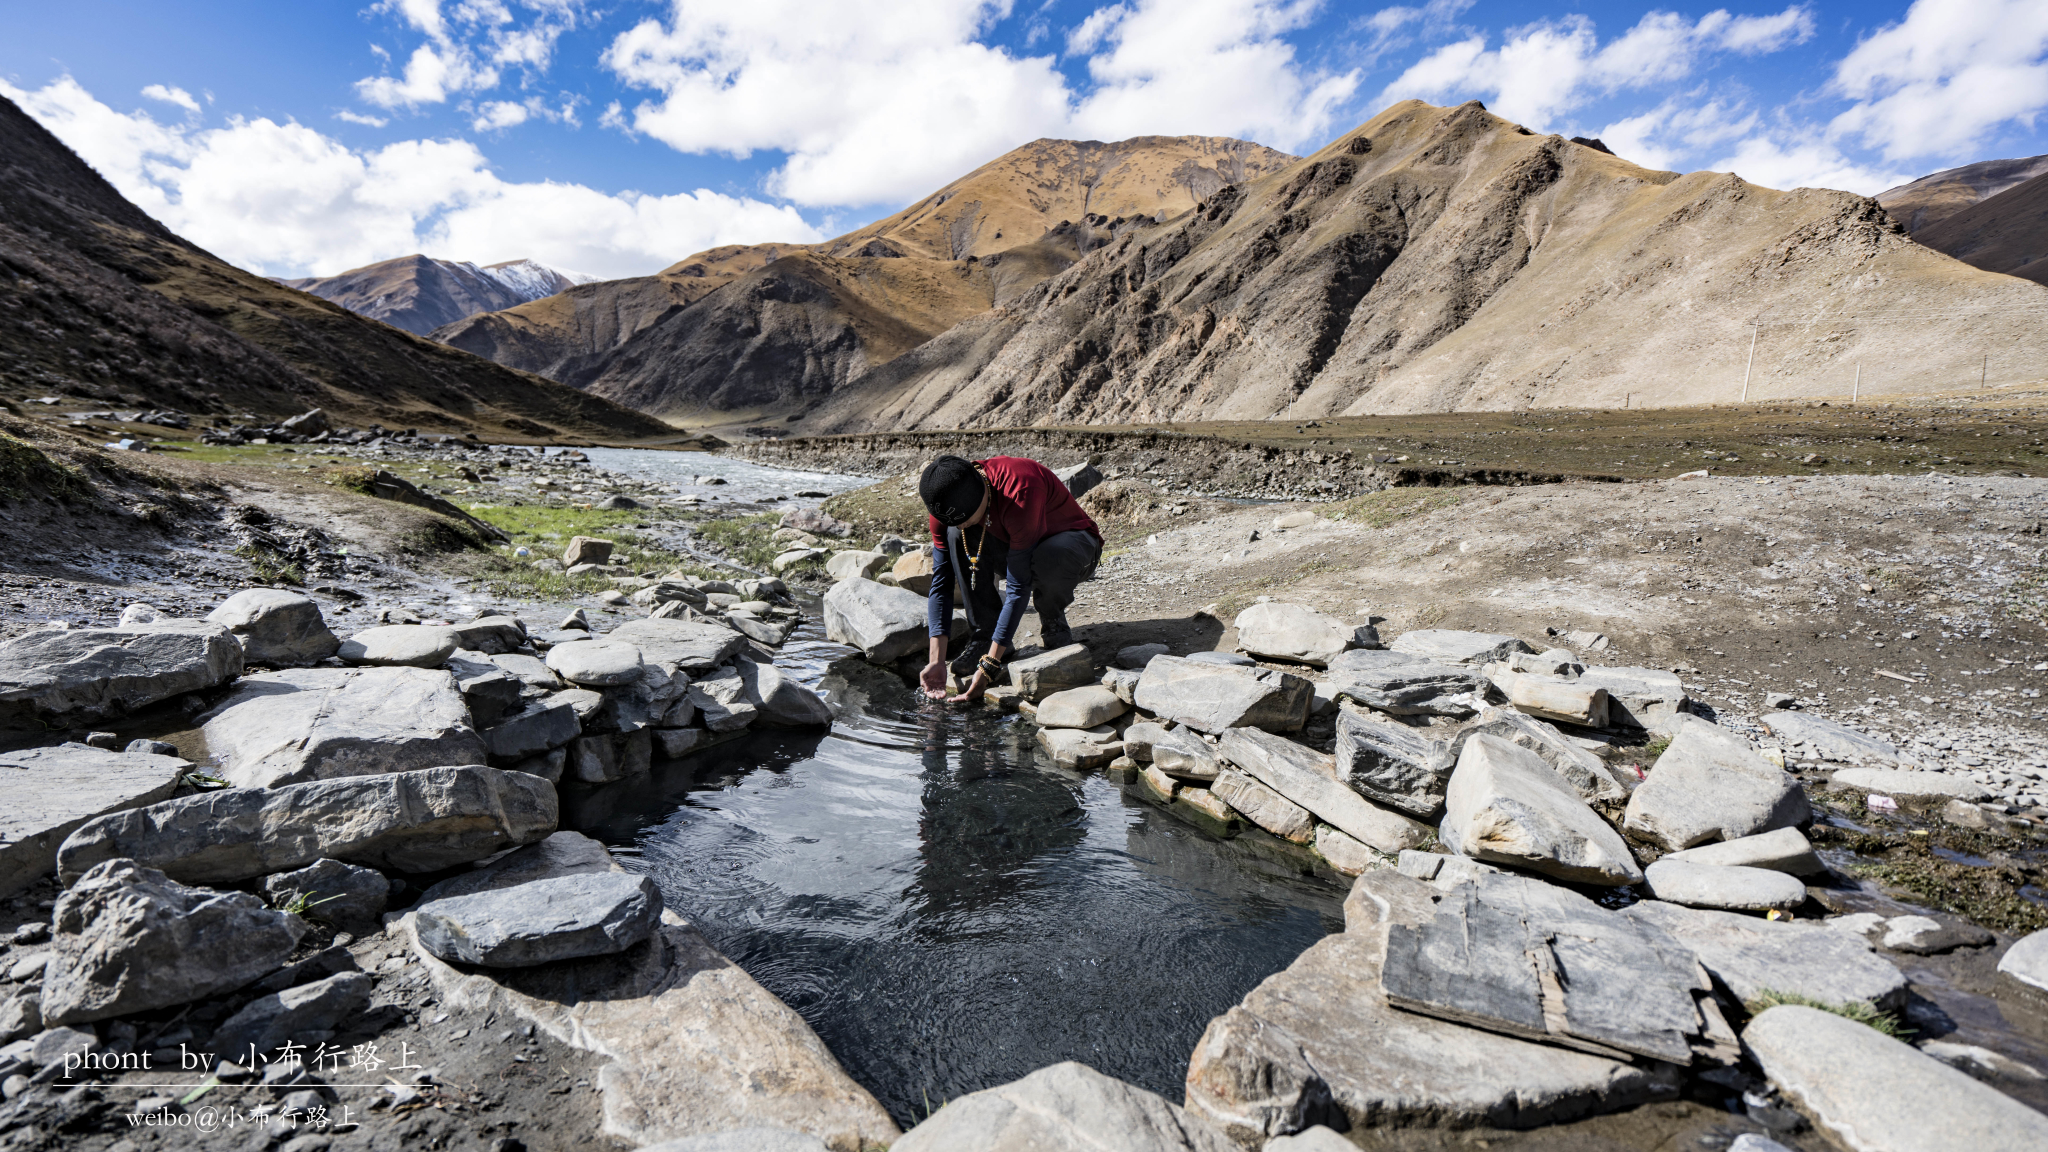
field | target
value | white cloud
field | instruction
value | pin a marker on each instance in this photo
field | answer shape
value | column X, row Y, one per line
column 1939, row 81
column 1805, row 159
column 285, row 200
column 467, row 48
column 879, row 101
column 178, row 96
column 1543, row 71
column 359, row 118
column 431, row 74
column 496, row 115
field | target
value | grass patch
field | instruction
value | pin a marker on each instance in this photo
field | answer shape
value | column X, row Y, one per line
column 25, row 471
column 1656, row 747
column 1391, row 505
column 883, row 508
column 271, row 568
column 1861, row 1013
column 745, row 538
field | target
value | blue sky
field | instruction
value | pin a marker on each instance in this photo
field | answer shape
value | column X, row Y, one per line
column 614, row 137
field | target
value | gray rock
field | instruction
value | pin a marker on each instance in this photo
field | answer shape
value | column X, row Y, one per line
column 1067, row 1107
column 1829, row 740
column 675, row 743
column 420, row 821
column 400, row 645
column 549, row 766
column 88, row 673
column 1401, row 684
column 766, row 632
column 1441, row 870
column 488, row 690
column 544, row 725
column 46, row 794
column 1139, row 738
column 1751, row 1142
column 1316, row 1139
column 1183, row 755
column 1123, row 682
column 1293, row 632
column 1081, row 748
column 1318, row 1041
column 1078, row 478
column 1647, row 698
column 1893, row 782
column 1591, row 777
column 1752, row 955
column 1551, row 698
column 1557, row 662
column 1445, row 646
column 1711, row 784
column 778, row 700
column 1729, row 887
column 531, row 671
column 1039, row 676
column 1346, row 854
column 1506, row 806
column 268, row 1022
column 20, row 1015
column 1926, row 936
column 129, row 939
column 1231, row 658
column 491, row 635
column 275, row 627
column 1392, row 764
column 586, row 550
column 1308, row 778
column 858, row 565
column 561, row 918
column 2026, row 962
column 1622, row 986
column 594, row 760
column 690, row 646
column 596, row 664
column 1263, row 806
column 1216, row 698
column 52, row 1045
column 1871, row 1093
column 744, row 1140
column 304, row 724
column 642, row 702
column 885, row 623
column 1138, row 655
column 1781, row 850
column 345, row 895
column 722, row 702
column 560, row 854
column 150, row 748
column 1086, row 707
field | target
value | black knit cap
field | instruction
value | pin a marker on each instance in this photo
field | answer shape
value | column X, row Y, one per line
column 951, row 489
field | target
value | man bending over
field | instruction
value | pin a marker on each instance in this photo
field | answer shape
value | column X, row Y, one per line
column 1002, row 518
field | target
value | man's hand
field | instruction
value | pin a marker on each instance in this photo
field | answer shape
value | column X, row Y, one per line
column 975, row 688
column 933, row 679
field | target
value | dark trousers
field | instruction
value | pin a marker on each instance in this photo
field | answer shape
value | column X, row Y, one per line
column 1060, row 562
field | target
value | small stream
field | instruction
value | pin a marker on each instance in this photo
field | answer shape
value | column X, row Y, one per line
column 947, row 908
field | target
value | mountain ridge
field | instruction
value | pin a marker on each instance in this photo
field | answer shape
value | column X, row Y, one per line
column 1923, row 203
column 420, row 293
column 2004, row 233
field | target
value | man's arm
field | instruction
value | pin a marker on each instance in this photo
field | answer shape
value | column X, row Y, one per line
column 938, row 622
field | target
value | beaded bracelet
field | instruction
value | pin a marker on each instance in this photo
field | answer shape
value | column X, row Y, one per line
column 991, row 666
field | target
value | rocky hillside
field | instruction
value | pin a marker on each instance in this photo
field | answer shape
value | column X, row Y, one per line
column 1441, row 259
column 1931, row 199
column 2006, row 233
column 419, row 293
column 801, row 320
column 103, row 302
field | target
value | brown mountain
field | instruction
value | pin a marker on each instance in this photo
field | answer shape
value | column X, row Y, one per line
column 1931, row 199
column 744, row 330
column 419, row 293
column 2005, row 233
column 102, row 301
column 1444, row 258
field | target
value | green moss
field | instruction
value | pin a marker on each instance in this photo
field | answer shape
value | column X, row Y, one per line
column 746, row 539
column 25, row 471
column 1858, row 1011
column 271, row 568
column 879, row 509
column 1391, row 505
column 1903, row 859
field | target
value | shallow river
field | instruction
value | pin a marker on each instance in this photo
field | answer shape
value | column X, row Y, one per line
column 948, row 909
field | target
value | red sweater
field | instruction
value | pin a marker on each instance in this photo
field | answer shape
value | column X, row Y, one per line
column 1029, row 504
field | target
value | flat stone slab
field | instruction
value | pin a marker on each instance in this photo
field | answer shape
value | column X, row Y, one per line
column 1217, row 697
column 1871, row 1093
column 1732, row 888
column 1591, row 777
column 1041, row 675
column 1780, row 850
column 559, row 918
column 1301, row 775
column 1081, row 748
column 1752, row 955
column 1085, row 707
column 1404, row 768
column 1405, row 684
column 1647, row 698
column 1066, row 1107
column 1893, row 782
column 1447, row 646
column 47, row 793
column 1264, row 807
column 1296, row 632
column 1712, row 784
column 89, row 673
column 1506, row 806
column 267, row 1023
column 420, row 821
column 1614, row 987
column 401, row 645
column 597, row 664
column 302, row 724
column 1319, row 1036
column 1829, row 740
column 690, row 646
column 1183, row 755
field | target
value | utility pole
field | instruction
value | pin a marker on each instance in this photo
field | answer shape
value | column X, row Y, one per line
column 1752, row 363
column 1984, row 373
column 1857, row 383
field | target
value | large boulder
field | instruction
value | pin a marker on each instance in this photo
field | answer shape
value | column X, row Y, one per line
column 420, row 821
column 275, row 627
column 1446, row 646
column 690, row 646
column 1871, row 1093
column 1712, row 784
column 1387, row 762
column 913, row 570
column 544, row 725
column 1647, row 698
column 305, row 724
column 1506, row 806
column 1401, row 684
column 1181, row 754
column 47, row 793
column 1553, row 698
column 1067, row 1107
column 562, row 918
column 1318, row 1041
column 401, row 646
column 1080, row 478
column 1591, row 777
column 1218, row 697
column 89, row 673
column 779, row 700
column 858, row 565
column 129, row 939
column 1307, row 778
column 1043, row 673
column 596, row 663
column 1294, row 632
column 1752, row 956
column 885, row 623
column 1085, row 707
column 491, row 635
column 268, row 1023
column 1730, row 887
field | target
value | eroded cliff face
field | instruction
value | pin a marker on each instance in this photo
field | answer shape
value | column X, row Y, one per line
column 1444, row 258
